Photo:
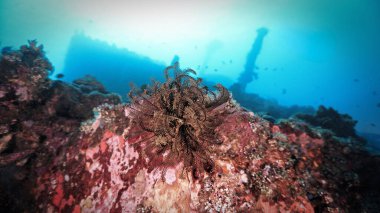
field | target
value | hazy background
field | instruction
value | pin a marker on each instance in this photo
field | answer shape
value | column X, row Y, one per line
column 319, row 52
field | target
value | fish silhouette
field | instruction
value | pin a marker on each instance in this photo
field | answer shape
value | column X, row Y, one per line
column 59, row 75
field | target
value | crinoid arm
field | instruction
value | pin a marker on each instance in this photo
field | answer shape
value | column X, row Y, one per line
column 223, row 97
column 177, row 111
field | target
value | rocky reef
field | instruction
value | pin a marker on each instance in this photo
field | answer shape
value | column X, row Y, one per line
column 328, row 118
column 76, row 148
column 39, row 117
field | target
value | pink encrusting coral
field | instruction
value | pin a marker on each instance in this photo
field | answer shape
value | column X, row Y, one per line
column 262, row 168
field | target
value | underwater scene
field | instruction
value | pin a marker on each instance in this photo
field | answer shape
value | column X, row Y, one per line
column 190, row 106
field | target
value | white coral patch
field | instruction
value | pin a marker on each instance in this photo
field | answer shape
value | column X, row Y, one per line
column 170, row 176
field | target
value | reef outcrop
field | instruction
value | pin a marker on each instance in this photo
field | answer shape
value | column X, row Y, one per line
column 39, row 117
column 328, row 118
column 53, row 161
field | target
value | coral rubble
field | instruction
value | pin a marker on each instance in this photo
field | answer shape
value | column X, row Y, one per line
column 56, row 157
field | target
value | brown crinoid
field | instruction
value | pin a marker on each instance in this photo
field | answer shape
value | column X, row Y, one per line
column 180, row 114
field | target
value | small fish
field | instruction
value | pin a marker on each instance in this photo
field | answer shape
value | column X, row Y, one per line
column 374, row 93
column 356, row 80
column 266, row 68
column 59, row 75
column 373, row 125
column 143, row 87
column 215, row 70
column 378, row 105
column 230, row 61
column 284, row 91
column 274, row 69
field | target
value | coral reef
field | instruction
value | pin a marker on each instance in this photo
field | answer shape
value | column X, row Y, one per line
column 54, row 162
column 38, row 118
column 328, row 118
column 263, row 167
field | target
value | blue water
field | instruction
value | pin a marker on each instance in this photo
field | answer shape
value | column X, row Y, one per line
column 315, row 52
